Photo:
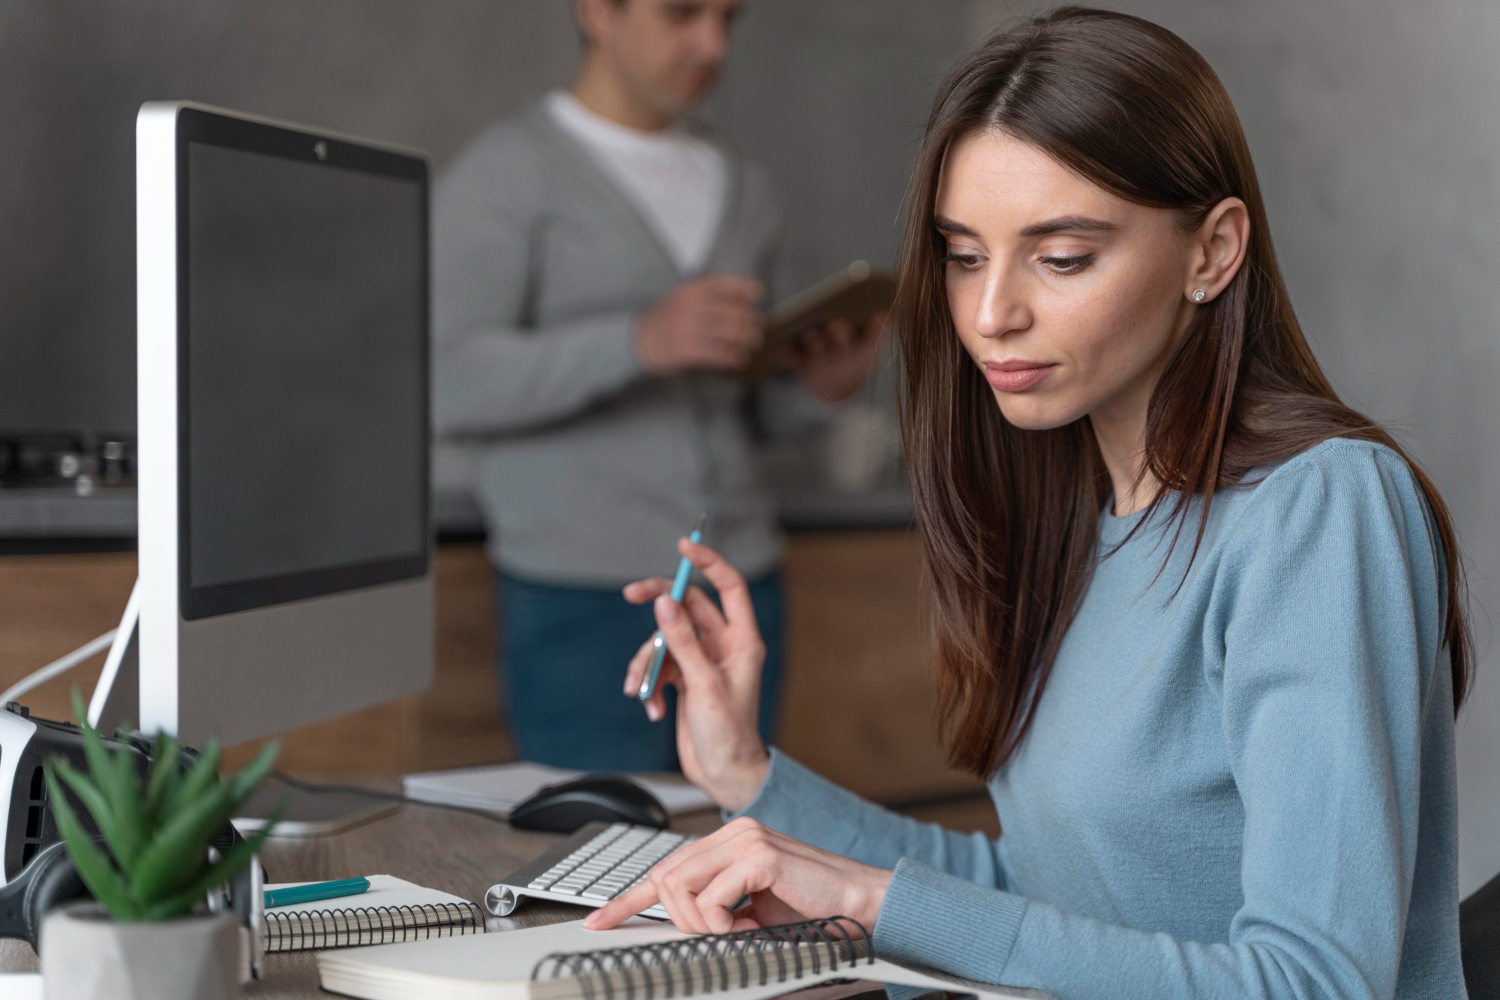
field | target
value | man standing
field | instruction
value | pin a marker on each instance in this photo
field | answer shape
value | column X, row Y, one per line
column 598, row 265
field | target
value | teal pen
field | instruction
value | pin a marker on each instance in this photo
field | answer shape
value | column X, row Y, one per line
column 315, row 891
column 659, row 645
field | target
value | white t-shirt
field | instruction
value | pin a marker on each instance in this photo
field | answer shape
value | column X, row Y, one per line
column 676, row 180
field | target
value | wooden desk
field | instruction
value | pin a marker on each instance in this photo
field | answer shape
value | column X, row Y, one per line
column 439, row 848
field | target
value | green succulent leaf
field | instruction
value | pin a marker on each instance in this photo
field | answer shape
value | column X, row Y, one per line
column 180, row 850
column 242, row 785
column 171, row 906
column 93, row 745
column 226, row 868
column 112, row 778
column 166, row 774
column 202, row 775
column 94, row 866
column 132, row 830
column 157, row 863
column 93, row 799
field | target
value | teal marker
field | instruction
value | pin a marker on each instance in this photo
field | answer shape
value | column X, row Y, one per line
column 316, row 890
column 658, row 644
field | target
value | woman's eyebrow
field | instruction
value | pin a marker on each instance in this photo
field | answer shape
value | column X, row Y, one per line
column 943, row 224
column 1068, row 223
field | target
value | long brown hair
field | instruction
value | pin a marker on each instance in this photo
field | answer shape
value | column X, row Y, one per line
column 1009, row 517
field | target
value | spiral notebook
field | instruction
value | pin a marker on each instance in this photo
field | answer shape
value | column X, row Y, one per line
column 640, row 960
column 392, row 910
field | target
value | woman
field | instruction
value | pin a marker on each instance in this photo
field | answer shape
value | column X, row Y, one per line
column 1198, row 623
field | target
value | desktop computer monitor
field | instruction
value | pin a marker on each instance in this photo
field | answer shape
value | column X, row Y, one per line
column 284, row 533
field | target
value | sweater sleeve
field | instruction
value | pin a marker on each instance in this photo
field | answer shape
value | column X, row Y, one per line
column 799, row 803
column 1328, row 611
column 493, row 371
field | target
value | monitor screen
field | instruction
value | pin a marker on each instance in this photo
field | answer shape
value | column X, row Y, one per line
column 302, row 369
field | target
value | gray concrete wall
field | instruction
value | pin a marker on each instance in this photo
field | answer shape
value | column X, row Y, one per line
column 72, row 76
column 1370, row 120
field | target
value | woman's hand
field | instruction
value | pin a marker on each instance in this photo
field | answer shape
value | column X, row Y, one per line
column 785, row 879
column 714, row 660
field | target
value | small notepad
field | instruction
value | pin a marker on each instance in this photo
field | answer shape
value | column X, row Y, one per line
column 499, row 787
column 391, row 911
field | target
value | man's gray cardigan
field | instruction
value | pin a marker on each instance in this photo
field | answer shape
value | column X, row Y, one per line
column 592, row 469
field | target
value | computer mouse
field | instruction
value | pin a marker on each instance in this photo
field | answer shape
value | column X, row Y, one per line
column 611, row 798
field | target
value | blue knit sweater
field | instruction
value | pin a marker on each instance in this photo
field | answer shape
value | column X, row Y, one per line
column 1241, row 789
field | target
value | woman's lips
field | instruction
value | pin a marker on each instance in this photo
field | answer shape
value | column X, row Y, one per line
column 1016, row 376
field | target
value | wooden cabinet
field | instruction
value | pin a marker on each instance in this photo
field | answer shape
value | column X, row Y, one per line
column 858, row 704
column 856, row 707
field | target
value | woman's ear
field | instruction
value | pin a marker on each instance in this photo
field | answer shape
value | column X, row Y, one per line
column 1219, row 247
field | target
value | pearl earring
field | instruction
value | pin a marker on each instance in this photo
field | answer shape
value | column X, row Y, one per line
column 1199, row 295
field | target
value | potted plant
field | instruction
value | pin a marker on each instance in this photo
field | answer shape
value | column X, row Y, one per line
column 149, row 933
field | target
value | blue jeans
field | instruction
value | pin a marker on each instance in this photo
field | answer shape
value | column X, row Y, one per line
column 562, row 660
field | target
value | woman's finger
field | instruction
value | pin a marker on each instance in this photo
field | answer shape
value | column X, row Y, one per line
column 724, row 869
column 706, row 617
column 680, row 902
column 695, row 667
column 622, row 907
column 682, row 875
column 636, row 671
column 656, row 705
column 724, row 891
column 734, row 593
column 646, row 591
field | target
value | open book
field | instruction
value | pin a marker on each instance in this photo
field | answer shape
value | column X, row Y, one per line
column 638, row 960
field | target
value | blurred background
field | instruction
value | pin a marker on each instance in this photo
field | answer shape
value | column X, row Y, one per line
column 1371, row 126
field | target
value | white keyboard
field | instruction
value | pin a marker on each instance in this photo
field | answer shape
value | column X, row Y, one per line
column 590, row 868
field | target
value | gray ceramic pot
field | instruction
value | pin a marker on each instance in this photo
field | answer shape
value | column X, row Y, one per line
column 87, row 956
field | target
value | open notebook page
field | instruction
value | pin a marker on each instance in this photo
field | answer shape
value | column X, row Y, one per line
column 385, row 890
column 499, row 966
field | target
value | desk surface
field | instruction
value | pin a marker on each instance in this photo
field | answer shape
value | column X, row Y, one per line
column 452, row 851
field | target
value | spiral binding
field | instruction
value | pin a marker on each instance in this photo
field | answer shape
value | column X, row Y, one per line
column 347, row 928
column 691, row 963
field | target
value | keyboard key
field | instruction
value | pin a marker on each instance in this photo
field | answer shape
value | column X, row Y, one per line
column 618, row 858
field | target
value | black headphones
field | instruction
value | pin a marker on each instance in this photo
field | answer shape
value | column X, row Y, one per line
column 49, row 880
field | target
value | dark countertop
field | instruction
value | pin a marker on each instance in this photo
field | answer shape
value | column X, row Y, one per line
column 59, row 512
column 39, row 514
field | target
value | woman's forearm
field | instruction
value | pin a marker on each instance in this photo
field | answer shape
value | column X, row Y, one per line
column 804, row 805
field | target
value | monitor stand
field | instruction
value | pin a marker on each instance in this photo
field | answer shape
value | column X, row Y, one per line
column 117, row 699
column 308, row 814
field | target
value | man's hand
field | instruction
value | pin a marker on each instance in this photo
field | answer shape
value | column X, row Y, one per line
column 709, row 322
column 786, row 881
column 835, row 359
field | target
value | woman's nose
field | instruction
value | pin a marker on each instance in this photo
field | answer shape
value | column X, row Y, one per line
column 1001, row 308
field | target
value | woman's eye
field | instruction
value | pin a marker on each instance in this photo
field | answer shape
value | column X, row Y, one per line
column 1068, row 265
column 967, row 261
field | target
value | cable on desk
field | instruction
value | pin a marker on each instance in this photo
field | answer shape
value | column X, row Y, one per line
column 375, row 793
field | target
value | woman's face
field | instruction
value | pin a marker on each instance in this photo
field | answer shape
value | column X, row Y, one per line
column 1069, row 298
